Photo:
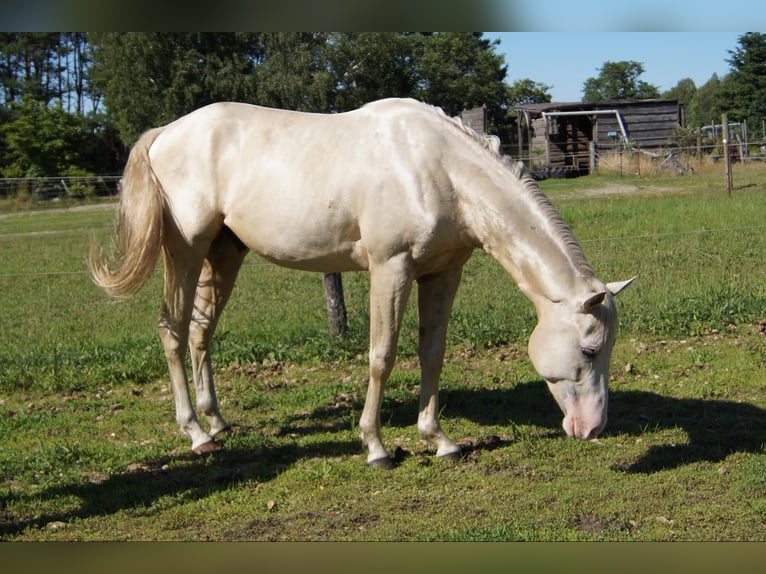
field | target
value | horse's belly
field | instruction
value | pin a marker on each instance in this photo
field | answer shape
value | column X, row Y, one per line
column 348, row 256
column 325, row 264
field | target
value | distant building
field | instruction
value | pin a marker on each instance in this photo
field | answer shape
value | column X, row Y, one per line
column 565, row 139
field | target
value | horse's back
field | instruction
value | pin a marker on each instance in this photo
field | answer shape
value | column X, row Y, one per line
column 314, row 191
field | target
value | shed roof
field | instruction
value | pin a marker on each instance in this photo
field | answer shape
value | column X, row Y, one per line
column 584, row 106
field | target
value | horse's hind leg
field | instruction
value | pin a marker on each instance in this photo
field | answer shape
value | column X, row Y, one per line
column 183, row 264
column 219, row 272
column 436, row 294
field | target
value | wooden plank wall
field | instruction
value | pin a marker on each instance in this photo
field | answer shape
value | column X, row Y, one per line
column 649, row 124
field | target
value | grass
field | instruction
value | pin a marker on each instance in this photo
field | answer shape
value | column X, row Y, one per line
column 94, row 452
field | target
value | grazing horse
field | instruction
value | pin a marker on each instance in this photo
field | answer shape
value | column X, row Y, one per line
column 396, row 188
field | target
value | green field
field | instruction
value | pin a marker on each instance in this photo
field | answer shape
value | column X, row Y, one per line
column 91, row 450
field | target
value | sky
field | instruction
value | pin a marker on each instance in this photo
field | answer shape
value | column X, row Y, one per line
column 564, row 60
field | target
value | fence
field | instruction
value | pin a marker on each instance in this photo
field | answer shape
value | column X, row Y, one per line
column 633, row 160
column 54, row 188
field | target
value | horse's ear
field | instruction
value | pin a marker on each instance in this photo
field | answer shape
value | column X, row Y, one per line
column 593, row 300
column 618, row 286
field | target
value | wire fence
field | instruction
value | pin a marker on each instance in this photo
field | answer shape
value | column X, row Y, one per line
column 751, row 229
column 637, row 237
column 633, row 159
column 56, row 188
column 622, row 159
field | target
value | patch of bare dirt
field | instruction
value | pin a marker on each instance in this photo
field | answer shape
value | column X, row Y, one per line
column 617, row 189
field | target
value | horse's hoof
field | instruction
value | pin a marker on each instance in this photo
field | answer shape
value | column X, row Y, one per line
column 207, row 447
column 384, row 463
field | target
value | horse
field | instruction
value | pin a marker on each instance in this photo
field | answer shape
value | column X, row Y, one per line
column 397, row 188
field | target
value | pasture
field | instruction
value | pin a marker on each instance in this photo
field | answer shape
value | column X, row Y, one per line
column 91, row 450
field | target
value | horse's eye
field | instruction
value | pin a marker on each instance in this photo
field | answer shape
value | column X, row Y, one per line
column 589, row 352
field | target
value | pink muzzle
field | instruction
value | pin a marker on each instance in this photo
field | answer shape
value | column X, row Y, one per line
column 584, row 418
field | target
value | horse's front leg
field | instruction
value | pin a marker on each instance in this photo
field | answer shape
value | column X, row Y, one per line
column 390, row 285
column 436, row 293
column 216, row 282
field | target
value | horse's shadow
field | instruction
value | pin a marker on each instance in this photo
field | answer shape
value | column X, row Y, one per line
column 188, row 477
column 715, row 429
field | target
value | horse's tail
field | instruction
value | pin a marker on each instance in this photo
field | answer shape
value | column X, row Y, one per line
column 139, row 227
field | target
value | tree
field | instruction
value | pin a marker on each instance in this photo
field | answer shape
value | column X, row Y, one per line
column 461, row 70
column 683, row 92
column 42, row 140
column 49, row 108
column 368, row 66
column 704, row 106
column 618, row 81
column 151, row 78
column 28, row 66
column 745, row 86
column 292, row 72
column 527, row 91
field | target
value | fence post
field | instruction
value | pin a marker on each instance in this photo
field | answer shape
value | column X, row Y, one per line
column 699, row 144
column 336, row 304
column 726, row 157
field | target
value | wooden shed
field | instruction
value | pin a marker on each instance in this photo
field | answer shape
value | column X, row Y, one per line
column 566, row 139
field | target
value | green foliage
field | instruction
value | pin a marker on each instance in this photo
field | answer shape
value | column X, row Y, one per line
column 293, row 72
column 683, row 92
column 50, row 109
column 618, row 81
column 370, row 66
column 741, row 93
column 148, row 79
column 460, row 70
column 745, row 86
column 528, row 91
column 30, row 65
column 152, row 78
column 708, row 103
column 41, row 140
column 119, row 84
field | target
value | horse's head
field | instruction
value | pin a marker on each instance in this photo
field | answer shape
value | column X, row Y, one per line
column 570, row 348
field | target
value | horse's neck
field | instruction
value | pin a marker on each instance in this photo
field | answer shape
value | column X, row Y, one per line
column 517, row 226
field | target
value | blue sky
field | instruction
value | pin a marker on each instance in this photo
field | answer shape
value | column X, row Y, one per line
column 625, row 16
column 565, row 60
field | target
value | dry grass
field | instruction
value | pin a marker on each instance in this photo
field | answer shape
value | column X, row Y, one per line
column 661, row 163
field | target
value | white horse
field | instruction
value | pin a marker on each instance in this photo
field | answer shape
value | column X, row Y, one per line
column 396, row 188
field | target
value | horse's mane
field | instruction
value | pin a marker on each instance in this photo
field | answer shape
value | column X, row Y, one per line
column 516, row 169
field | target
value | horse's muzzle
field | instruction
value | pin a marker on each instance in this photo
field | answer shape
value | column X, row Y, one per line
column 581, row 420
